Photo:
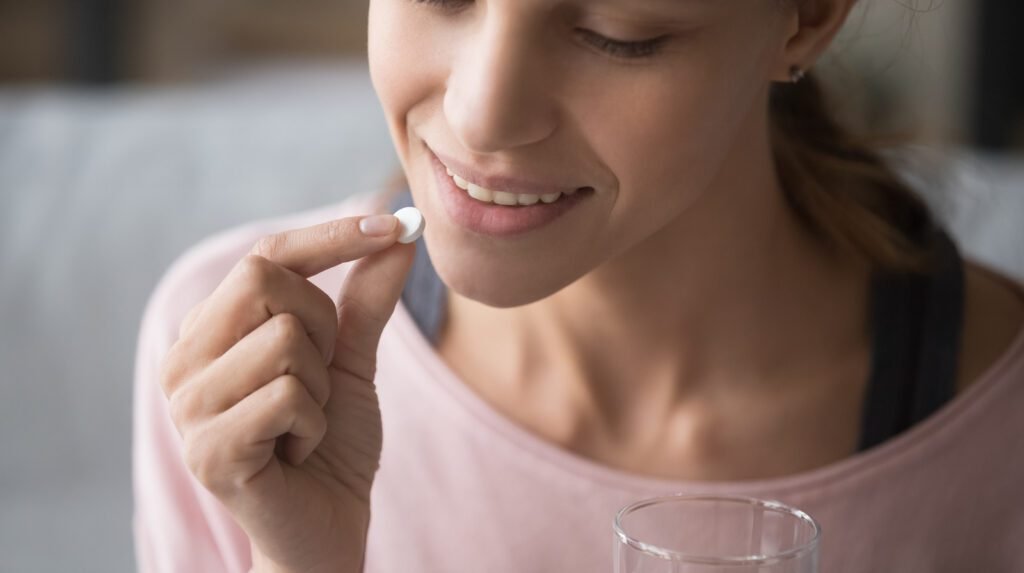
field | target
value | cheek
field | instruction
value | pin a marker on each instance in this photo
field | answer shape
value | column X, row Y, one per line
column 667, row 148
column 681, row 127
column 404, row 61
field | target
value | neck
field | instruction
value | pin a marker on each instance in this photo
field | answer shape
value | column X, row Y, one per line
column 733, row 297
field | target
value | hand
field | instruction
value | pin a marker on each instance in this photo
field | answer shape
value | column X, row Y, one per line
column 270, row 385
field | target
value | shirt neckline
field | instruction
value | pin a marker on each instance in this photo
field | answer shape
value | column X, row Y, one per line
column 924, row 438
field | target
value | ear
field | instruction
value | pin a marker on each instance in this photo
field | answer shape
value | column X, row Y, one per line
column 811, row 26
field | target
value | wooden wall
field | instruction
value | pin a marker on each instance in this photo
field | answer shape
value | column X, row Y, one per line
column 178, row 40
column 32, row 39
column 161, row 41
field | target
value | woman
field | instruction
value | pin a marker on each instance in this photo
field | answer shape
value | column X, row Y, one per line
column 652, row 264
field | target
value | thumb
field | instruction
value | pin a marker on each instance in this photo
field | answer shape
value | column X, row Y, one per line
column 367, row 300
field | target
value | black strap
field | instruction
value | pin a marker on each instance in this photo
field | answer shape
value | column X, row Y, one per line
column 916, row 329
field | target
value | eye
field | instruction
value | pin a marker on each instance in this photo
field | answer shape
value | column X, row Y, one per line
column 615, row 48
column 621, row 49
column 445, row 4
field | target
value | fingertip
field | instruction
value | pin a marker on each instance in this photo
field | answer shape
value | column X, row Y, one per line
column 379, row 225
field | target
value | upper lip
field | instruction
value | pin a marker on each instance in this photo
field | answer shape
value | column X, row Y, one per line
column 498, row 182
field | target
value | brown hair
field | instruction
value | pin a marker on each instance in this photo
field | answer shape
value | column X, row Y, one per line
column 841, row 187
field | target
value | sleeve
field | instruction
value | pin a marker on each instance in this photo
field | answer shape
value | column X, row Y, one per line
column 178, row 526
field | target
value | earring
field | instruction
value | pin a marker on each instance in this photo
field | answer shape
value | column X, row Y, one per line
column 796, row 73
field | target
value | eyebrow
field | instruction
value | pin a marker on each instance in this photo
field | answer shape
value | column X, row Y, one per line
column 668, row 12
column 671, row 4
column 653, row 7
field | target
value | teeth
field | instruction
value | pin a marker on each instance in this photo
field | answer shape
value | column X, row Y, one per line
column 481, row 194
column 525, row 199
column 501, row 197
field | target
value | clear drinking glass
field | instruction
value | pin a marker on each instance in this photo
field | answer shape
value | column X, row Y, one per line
column 711, row 534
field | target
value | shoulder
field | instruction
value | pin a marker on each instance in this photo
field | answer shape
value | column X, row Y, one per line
column 993, row 321
column 194, row 274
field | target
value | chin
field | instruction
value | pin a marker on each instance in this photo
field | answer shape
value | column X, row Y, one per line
column 495, row 282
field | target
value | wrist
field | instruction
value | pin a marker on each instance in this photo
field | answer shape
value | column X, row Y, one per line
column 352, row 562
column 261, row 564
column 336, row 545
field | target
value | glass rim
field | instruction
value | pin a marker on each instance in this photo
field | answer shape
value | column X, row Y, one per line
column 674, row 555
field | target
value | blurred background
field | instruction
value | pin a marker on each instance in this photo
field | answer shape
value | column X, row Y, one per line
column 129, row 130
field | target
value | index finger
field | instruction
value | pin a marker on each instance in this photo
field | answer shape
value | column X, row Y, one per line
column 311, row 250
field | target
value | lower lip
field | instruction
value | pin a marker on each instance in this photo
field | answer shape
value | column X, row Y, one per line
column 498, row 220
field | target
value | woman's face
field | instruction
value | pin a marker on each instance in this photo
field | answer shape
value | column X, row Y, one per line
column 533, row 90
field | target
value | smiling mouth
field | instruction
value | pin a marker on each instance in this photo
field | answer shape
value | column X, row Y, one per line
column 485, row 195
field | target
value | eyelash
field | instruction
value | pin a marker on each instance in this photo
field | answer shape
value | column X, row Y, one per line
column 615, row 48
column 629, row 50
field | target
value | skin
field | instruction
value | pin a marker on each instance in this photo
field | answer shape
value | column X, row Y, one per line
column 729, row 345
column 270, row 385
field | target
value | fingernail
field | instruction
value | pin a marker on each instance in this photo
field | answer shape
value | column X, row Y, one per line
column 378, row 225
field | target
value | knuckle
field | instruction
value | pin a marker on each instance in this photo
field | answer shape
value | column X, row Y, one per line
column 335, row 231
column 256, row 272
column 172, row 369
column 287, row 392
column 189, row 320
column 182, row 407
column 270, row 245
column 351, row 310
column 176, row 410
column 288, row 330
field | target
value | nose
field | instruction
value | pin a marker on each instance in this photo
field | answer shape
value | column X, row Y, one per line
column 498, row 95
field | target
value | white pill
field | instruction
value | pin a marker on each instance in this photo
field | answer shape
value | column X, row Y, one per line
column 412, row 224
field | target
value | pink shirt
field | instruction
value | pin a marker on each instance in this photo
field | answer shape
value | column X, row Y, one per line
column 463, row 488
